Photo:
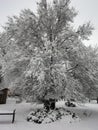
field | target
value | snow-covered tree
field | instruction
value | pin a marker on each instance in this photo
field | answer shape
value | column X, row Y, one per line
column 44, row 53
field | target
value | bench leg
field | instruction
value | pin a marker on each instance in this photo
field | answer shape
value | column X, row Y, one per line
column 13, row 119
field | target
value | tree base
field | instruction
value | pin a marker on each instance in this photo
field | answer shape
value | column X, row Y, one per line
column 49, row 104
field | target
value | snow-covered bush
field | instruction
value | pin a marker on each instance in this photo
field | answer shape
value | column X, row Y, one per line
column 70, row 104
column 41, row 116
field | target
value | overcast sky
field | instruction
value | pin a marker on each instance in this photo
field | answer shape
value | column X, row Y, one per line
column 88, row 11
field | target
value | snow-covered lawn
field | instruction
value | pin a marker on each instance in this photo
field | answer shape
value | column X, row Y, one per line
column 87, row 112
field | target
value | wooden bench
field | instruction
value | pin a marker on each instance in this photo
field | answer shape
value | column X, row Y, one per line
column 9, row 113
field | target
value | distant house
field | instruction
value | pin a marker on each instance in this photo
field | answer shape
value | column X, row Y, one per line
column 3, row 95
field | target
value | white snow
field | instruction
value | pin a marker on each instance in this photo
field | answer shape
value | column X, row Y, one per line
column 87, row 112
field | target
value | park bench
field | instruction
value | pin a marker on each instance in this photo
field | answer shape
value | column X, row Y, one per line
column 9, row 113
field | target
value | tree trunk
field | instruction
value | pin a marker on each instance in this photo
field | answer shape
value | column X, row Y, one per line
column 49, row 104
column 52, row 104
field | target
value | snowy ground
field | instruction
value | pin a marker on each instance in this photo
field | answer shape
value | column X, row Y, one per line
column 87, row 112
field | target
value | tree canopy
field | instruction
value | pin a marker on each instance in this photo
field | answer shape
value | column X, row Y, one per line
column 43, row 55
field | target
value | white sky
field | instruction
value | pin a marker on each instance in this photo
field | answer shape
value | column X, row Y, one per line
column 88, row 11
